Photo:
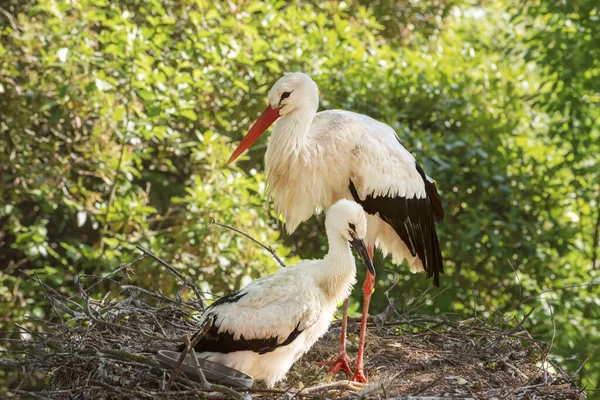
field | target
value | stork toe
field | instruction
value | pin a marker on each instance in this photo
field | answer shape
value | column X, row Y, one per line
column 359, row 378
column 342, row 363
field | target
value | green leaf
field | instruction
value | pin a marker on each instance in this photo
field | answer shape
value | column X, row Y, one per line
column 189, row 114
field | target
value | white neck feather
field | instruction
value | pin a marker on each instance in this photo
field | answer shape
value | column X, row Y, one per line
column 289, row 137
column 338, row 273
column 290, row 162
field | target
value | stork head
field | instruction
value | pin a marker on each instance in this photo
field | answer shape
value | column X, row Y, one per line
column 347, row 219
column 293, row 92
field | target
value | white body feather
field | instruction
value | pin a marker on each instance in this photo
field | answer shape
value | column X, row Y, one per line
column 311, row 158
column 302, row 297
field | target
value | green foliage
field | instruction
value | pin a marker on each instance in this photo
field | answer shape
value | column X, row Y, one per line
column 561, row 41
column 117, row 119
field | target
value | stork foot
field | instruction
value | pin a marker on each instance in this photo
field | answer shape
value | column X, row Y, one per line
column 339, row 364
column 359, row 377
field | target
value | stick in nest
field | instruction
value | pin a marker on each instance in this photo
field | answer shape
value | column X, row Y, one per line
column 186, row 282
column 203, row 381
column 189, row 345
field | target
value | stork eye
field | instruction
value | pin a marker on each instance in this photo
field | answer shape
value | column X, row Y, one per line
column 285, row 95
column 352, row 226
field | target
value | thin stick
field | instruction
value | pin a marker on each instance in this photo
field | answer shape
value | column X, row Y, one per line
column 280, row 392
column 579, row 369
column 474, row 301
column 211, row 386
column 345, row 384
column 88, row 312
column 10, row 18
column 578, row 285
column 186, row 282
column 32, row 394
column 513, row 330
column 267, row 248
column 122, row 267
column 519, row 281
column 190, row 346
column 37, row 278
column 547, row 353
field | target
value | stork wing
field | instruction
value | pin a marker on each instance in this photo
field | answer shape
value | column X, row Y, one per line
column 263, row 316
column 386, row 179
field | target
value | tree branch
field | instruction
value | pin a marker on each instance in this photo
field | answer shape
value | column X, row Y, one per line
column 267, row 248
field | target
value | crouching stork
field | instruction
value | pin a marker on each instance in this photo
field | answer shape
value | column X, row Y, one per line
column 265, row 327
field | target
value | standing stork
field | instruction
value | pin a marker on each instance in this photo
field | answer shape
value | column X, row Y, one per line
column 265, row 327
column 314, row 159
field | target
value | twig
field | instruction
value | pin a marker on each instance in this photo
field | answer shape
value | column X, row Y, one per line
column 513, row 330
column 10, row 18
column 380, row 319
column 596, row 235
column 189, row 346
column 519, row 281
column 122, row 267
column 520, row 324
column 517, row 370
column 267, row 248
column 547, row 353
column 426, row 300
column 129, row 329
column 186, row 282
column 345, row 384
column 214, row 387
column 37, row 278
column 162, row 297
column 429, row 385
column 578, row 285
column 579, row 369
column 281, row 392
column 9, row 363
column 474, row 301
column 33, row 394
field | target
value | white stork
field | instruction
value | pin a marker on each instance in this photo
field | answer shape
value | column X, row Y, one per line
column 265, row 327
column 314, row 159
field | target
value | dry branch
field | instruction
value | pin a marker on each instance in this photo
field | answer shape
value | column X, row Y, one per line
column 267, row 248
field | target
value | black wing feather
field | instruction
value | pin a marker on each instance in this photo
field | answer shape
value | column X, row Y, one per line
column 223, row 342
column 433, row 195
column 413, row 220
column 218, row 341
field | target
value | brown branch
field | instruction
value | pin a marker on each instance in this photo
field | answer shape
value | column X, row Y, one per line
column 37, row 278
column 596, row 236
column 189, row 345
column 88, row 312
column 547, row 353
column 267, row 248
column 186, row 282
column 11, row 20
column 124, row 266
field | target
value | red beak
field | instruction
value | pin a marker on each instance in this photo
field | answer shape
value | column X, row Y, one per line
column 265, row 120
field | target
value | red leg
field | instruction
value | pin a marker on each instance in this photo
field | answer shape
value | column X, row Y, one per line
column 342, row 362
column 359, row 375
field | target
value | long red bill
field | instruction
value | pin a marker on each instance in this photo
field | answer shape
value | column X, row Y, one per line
column 265, row 120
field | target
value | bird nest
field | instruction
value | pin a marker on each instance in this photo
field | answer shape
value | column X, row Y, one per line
column 102, row 344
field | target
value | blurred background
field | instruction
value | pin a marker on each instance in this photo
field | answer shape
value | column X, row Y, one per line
column 117, row 118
